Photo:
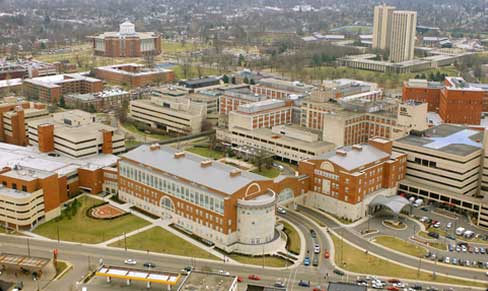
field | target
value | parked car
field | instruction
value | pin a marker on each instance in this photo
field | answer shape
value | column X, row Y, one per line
column 306, row 261
column 339, row 272
column 303, row 283
column 315, row 261
column 448, row 225
column 434, row 235
column 313, row 233
column 279, row 284
column 239, row 279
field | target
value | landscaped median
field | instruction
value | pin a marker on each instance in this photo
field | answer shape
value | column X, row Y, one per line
column 159, row 240
column 75, row 225
column 268, row 261
column 400, row 245
column 293, row 242
column 355, row 260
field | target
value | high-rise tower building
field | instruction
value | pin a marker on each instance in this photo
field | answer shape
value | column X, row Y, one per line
column 402, row 42
column 382, row 26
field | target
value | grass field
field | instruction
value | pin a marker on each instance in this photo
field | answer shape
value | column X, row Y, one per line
column 268, row 261
column 172, row 47
column 401, row 245
column 159, row 240
column 132, row 128
column 294, row 243
column 437, row 245
column 357, row 261
column 206, row 152
column 83, row 229
column 270, row 173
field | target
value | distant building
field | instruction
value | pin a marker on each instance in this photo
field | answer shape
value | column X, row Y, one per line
column 263, row 114
column 74, row 134
column 369, row 62
column 345, row 181
column 51, row 88
column 14, row 116
column 200, row 83
column 11, row 87
column 230, row 100
column 209, row 98
column 107, row 99
column 456, row 100
column 26, row 69
column 280, row 89
column 134, row 75
column 403, row 28
column 34, row 186
column 176, row 115
column 126, row 42
column 382, row 26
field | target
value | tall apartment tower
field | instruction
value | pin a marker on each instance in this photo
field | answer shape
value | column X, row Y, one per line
column 382, row 26
column 402, row 42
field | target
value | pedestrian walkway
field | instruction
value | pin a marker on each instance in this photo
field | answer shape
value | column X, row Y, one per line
column 121, row 237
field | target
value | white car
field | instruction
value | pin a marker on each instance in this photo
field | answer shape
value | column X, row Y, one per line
column 130, row 262
column 316, row 249
column 281, row 210
column 486, row 274
column 222, row 272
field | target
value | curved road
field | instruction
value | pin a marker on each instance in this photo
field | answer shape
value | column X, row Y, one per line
column 426, row 265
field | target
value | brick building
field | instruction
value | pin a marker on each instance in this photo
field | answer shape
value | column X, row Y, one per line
column 34, row 186
column 232, row 208
column 14, row 115
column 134, row 75
column 280, row 89
column 345, row 181
column 263, row 114
column 105, row 100
column 51, row 88
column 456, row 100
column 230, row 100
column 126, row 43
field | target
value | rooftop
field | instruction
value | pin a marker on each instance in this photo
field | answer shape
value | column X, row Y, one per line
column 13, row 193
column 140, row 69
column 29, row 158
column 55, row 80
column 216, row 176
column 259, row 106
column 446, row 138
column 356, row 156
column 107, row 93
column 202, row 281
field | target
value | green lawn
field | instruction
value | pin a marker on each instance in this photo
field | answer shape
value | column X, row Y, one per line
column 270, row 173
column 159, row 240
column 205, row 152
column 193, row 72
column 83, row 229
column 293, row 244
column 357, row 261
column 60, row 267
column 170, row 47
column 401, row 245
column 132, row 128
column 268, row 261
column 132, row 143
column 437, row 245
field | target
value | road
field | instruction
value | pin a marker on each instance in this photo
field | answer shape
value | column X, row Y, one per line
column 81, row 255
column 359, row 241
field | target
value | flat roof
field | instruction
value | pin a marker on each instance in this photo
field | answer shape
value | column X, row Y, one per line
column 14, row 193
column 138, row 275
column 216, row 176
column 29, row 158
column 55, row 80
column 23, row 261
column 144, row 70
column 200, row 281
column 446, row 138
column 355, row 156
column 11, row 82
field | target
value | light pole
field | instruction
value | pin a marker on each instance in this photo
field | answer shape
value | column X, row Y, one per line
column 125, row 241
column 28, row 248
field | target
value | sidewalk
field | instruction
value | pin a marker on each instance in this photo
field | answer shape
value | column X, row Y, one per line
column 117, row 238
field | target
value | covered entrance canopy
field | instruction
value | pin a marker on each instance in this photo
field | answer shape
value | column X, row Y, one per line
column 395, row 203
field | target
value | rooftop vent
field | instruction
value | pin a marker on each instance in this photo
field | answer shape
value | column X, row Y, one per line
column 154, row 147
column 179, row 155
column 341, row 153
column 235, row 173
column 206, row 163
column 357, row 147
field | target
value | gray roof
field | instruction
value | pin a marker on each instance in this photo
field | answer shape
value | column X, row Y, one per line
column 446, row 138
column 395, row 203
column 337, row 286
column 217, row 176
column 355, row 158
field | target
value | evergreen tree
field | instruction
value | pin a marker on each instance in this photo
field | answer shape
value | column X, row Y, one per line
column 62, row 103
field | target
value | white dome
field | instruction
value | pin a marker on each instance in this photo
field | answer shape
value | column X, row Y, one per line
column 127, row 28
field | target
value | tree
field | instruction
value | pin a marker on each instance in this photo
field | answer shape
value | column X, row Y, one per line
column 246, row 80
column 225, row 78
column 252, row 82
column 62, row 102
column 233, row 80
column 262, row 159
column 241, row 61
